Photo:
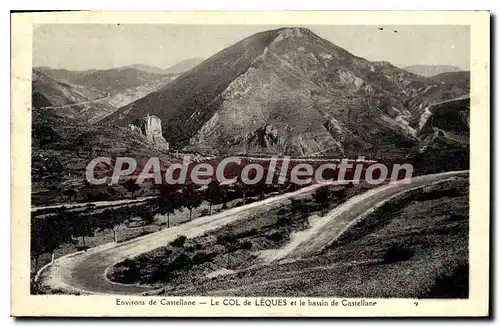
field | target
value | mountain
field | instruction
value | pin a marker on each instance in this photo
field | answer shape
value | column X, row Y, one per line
column 428, row 70
column 183, row 66
column 146, row 68
column 459, row 79
column 116, row 80
column 124, row 85
column 69, row 101
column 288, row 91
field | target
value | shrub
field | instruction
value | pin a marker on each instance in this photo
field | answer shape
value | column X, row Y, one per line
column 179, row 241
column 247, row 245
column 397, row 253
column 82, row 248
column 248, row 233
column 202, row 257
column 283, row 221
column 275, row 237
column 182, row 262
column 227, row 238
column 127, row 263
column 282, row 211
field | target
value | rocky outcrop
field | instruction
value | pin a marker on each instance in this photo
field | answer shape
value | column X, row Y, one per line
column 150, row 127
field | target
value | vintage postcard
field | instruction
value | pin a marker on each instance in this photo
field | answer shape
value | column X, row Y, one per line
column 250, row 164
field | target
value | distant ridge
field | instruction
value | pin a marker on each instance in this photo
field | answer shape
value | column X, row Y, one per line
column 428, row 70
column 183, row 66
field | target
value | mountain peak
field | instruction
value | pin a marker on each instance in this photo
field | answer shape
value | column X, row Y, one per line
column 294, row 31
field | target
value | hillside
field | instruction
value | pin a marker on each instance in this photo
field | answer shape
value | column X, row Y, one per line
column 61, row 149
column 146, row 68
column 183, row 66
column 69, row 101
column 123, row 85
column 428, row 70
column 459, row 79
column 290, row 91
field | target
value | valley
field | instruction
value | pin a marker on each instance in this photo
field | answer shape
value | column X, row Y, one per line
column 278, row 93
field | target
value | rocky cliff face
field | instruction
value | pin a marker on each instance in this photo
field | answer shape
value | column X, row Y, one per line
column 288, row 91
column 150, row 127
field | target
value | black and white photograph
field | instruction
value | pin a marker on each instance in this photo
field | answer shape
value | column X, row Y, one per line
column 270, row 163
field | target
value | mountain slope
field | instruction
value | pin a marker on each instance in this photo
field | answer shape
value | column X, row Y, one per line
column 65, row 100
column 459, row 79
column 183, row 66
column 123, row 85
column 146, row 68
column 428, row 70
column 290, row 91
column 116, row 80
column 62, row 148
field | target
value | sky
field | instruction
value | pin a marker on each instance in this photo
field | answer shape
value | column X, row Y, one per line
column 86, row 46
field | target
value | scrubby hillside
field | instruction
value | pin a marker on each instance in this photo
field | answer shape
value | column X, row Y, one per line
column 69, row 101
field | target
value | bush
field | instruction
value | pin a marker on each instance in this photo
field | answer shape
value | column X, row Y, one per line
column 397, row 253
column 82, row 248
column 226, row 239
column 248, row 233
column 282, row 211
column 179, row 241
column 247, row 245
column 202, row 257
column 275, row 237
column 182, row 262
column 127, row 263
column 283, row 221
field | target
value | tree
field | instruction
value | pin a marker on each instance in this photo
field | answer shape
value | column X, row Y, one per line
column 48, row 233
column 260, row 189
column 213, row 194
column 191, row 199
column 110, row 220
column 299, row 207
column 83, row 225
column 38, row 242
column 241, row 188
column 168, row 201
column 71, row 194
column 131, row 186
column 341, row 194
column 322, row 196
column 168, row 205
column 147, row 219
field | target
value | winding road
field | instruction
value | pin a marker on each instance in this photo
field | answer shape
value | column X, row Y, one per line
column 77, row 104
column 86, row 271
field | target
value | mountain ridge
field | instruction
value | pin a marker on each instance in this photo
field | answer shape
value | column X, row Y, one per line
column 311, row 94
column 431, row 70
